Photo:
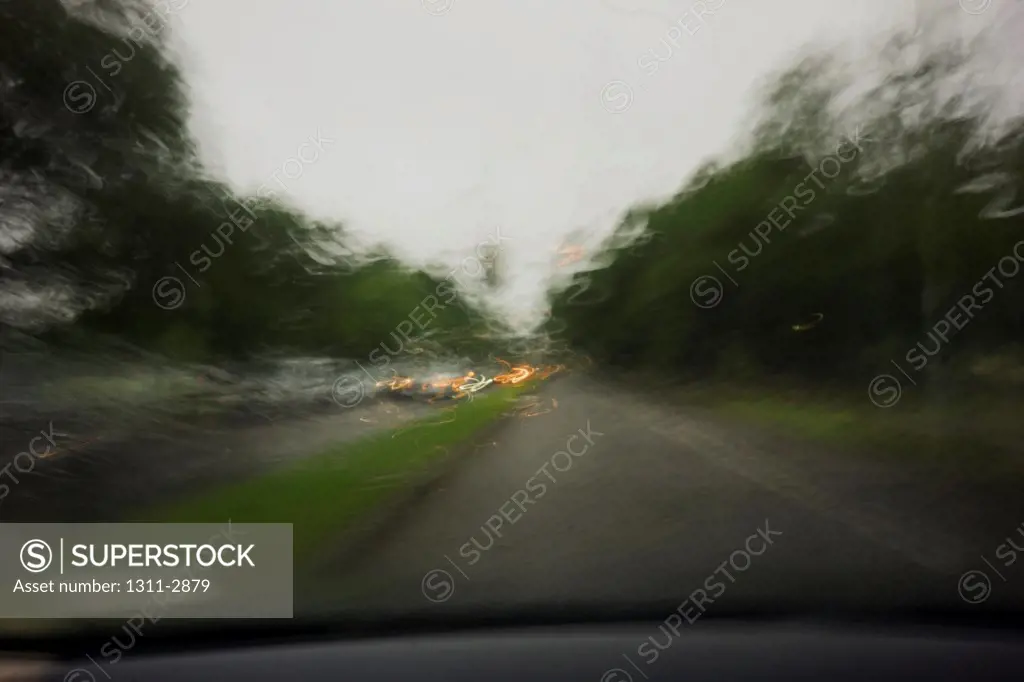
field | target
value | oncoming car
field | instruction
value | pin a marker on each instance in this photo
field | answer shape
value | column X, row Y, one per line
column 440, row 386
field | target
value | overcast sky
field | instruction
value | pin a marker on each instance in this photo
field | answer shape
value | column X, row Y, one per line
column 451, row 119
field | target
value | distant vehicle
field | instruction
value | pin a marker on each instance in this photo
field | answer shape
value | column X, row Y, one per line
column 437, row 386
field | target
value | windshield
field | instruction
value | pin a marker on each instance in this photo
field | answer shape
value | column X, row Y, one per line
column 582, row 305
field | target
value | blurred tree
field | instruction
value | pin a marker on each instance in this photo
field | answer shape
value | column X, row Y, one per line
column 108, row 215
column 876, row 247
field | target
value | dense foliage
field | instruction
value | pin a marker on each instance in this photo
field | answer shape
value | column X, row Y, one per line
column 103, row 201
column 850, row 233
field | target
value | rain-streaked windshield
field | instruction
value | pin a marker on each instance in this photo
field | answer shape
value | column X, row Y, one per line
column 575, row 304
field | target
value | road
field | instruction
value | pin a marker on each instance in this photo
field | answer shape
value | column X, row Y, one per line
column 658, row 501
column 656, row 504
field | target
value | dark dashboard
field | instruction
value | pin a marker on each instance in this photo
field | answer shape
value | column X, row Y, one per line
column 714, row 651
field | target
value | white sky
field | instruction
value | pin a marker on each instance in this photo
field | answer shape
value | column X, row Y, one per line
column 488, row 113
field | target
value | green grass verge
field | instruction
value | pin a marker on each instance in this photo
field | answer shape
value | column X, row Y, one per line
column 327, row 492
column 982, row 432
column 821, row 422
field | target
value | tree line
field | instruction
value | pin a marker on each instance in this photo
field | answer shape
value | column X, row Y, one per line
column 112, row 227
column 849, row 233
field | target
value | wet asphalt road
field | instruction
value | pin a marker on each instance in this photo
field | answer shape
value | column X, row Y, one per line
column 659, row 503
column 663, row 502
